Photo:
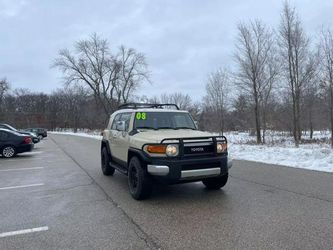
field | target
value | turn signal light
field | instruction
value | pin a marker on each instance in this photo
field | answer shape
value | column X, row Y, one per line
column 156, row 149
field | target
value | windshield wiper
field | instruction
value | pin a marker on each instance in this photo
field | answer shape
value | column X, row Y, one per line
column 185, row 128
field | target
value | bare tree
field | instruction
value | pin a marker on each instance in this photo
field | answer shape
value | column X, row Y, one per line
column 111, row 78
column 183, row 101
column 309, row 100
column 74, row 105
column 4, row 87
column 253, row 51
column 217, row 91
column 326, row 48
column 133, row 71
column 241, row 113
column 270, row 76
column 299, row 63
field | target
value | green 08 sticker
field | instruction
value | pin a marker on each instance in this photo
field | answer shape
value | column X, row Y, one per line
column 141, row 116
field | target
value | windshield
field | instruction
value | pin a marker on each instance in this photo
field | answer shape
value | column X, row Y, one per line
column 163, row 120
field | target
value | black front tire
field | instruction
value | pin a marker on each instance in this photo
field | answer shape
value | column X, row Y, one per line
column 105, row 162
column 216, row 183
column 139, row 182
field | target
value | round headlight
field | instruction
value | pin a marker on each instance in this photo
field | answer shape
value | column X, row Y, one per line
column 171, row 150
column 221, row 147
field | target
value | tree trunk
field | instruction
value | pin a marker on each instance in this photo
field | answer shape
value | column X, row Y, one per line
column 264, row 124
column 257, row 118
column 295, row 122
column 222, row 122
column 298, row 115
column 310, row 123
column 331, row 110
column 311, row 130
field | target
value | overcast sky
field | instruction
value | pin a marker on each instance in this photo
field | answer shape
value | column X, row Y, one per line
column 183, row 40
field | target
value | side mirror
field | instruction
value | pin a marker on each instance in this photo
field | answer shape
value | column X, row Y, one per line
column 120, row 126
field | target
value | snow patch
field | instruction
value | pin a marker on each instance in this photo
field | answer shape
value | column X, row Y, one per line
column 81, row 134
column 280, row 150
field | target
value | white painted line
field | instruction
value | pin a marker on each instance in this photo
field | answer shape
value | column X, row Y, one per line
column 23, row 186
column 24, row 231
column 33, row 153
column 18, row 169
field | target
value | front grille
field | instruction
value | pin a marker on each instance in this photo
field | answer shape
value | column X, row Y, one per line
column 192, row 149
column 196, row 147
column 201, row 165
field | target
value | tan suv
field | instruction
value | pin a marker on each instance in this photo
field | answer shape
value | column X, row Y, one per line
column 153, row 142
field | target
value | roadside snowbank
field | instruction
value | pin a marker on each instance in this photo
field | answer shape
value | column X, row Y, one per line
column 279, row 149
column 314, row 157
column 92, row 135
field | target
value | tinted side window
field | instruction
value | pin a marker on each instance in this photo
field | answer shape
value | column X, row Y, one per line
column 114, row 123
column 3, row 136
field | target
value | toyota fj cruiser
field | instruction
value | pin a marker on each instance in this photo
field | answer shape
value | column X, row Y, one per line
column 153, row 142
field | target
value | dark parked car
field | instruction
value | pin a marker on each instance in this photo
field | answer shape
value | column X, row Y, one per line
column 34, row 137
column 40, row 132
column 12, row 143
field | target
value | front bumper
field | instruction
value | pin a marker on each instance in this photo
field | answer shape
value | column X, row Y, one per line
column 177, row 170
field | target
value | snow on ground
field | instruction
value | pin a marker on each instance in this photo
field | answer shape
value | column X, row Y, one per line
column 314, row 157
column 279, row 150
column 92, row 134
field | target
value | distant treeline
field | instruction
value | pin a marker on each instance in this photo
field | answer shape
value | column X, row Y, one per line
column 76, row 108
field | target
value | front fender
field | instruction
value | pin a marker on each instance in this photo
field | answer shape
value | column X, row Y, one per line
column 105, row 143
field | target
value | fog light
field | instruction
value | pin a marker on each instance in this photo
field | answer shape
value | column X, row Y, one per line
column 171, row 150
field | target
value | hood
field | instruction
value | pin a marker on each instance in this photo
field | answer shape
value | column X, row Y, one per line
column 155, row 136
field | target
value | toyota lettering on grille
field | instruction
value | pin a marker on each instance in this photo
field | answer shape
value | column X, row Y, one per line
column 197, row 149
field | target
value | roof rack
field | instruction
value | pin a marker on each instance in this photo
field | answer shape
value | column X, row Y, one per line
column 147, row 105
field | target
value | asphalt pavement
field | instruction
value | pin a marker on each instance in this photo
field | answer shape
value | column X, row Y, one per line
column 58, row 196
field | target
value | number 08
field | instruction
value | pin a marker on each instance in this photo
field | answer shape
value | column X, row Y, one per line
column 141, row 116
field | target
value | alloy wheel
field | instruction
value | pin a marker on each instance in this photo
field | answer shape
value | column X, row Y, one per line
column 8, row 152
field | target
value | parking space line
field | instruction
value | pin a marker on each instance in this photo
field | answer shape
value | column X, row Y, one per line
column 33, row 153
column 23, row 186
column 24, row 231
column 19, row 169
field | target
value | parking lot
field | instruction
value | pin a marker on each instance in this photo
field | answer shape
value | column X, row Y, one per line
column 56, row 198
column 47, row 202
